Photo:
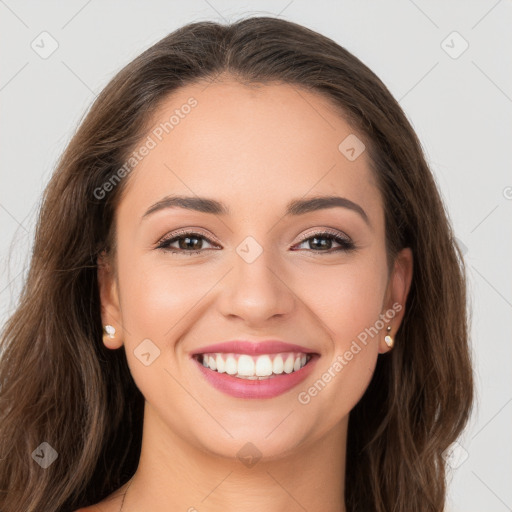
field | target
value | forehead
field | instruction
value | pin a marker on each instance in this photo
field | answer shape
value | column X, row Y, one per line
column 249, row 146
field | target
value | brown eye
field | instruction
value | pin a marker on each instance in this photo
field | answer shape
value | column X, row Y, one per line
column 187, row 243
column 322, row 242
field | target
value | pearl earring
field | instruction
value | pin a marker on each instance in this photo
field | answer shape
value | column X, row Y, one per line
column 109, row 330
column 388, row 339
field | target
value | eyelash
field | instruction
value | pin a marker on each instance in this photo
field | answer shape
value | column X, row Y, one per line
column 346, row 245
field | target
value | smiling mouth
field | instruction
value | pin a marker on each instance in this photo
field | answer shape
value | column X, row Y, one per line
column 260, row 367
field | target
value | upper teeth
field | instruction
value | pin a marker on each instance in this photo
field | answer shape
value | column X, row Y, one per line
column 253, row 367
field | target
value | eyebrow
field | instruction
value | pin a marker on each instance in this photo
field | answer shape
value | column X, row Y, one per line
column 295, row 207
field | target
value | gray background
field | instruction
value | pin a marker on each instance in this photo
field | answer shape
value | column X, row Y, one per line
column 460, row 107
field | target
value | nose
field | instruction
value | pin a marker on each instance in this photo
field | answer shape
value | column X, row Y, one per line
column 256, row 291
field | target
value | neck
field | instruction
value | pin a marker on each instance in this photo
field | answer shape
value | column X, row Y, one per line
column 175, row 475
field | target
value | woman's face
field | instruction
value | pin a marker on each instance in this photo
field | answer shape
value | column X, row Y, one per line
column 251, row 270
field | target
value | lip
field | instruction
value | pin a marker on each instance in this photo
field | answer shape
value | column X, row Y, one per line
column 252, row 348
column 245, row 388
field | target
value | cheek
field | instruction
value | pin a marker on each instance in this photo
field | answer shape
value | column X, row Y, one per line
column 348, row 303
column 160, row 302
column 157, row 295
column 347, row 299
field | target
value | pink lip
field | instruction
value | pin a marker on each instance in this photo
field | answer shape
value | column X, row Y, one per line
column 267, row 388
column 252, row 348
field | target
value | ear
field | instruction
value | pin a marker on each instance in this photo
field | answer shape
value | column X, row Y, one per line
column 109, row 298
column 396, row 294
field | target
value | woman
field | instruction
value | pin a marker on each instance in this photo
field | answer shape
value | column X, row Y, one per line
column 244, row 293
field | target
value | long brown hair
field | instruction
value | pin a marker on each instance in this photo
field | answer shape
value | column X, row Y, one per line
column 60, row 385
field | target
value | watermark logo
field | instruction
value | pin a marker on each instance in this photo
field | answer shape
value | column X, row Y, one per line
column 44, row 45
column 249, row 249
column 351, row 147
column 455, row 455
column 45, row 455
column 146, row 352
column 249, row 455
column 454, row 45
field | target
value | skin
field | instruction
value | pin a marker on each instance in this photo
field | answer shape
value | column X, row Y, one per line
column 254, row 148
